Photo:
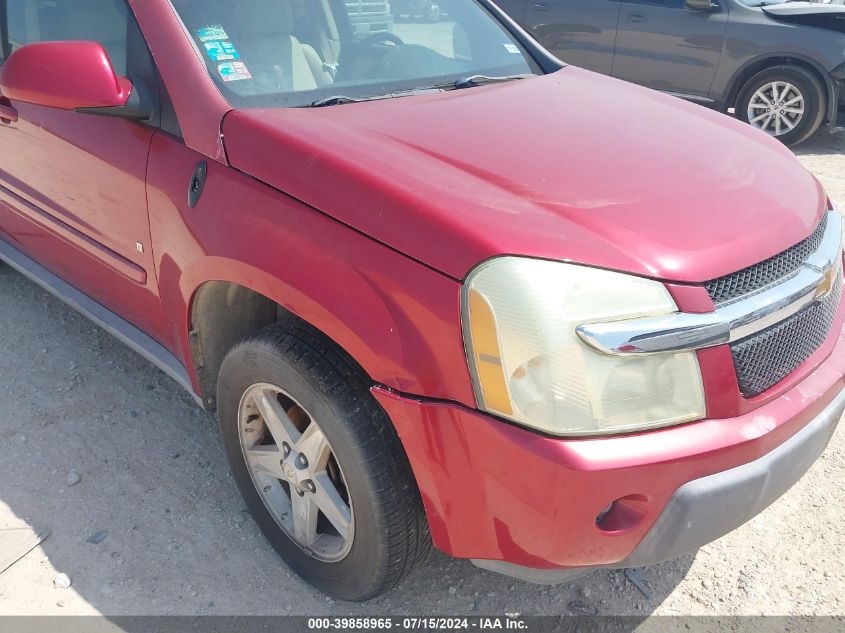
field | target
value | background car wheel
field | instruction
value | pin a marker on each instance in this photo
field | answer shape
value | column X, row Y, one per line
column 787, row 102
column 319, row 464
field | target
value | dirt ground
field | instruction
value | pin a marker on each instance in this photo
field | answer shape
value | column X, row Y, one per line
column 174, row 537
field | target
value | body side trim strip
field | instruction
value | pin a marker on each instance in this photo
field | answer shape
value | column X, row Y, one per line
column 72, row 236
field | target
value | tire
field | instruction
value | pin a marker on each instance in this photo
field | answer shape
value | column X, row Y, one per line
column 757, row 92
column 390, row 534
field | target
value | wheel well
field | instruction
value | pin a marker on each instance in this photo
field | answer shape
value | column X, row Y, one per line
column 755, row 67
column 223, row 313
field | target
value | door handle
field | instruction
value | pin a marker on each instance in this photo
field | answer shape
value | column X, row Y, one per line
column 7, row 113
column 540, row 6
column 637, row 17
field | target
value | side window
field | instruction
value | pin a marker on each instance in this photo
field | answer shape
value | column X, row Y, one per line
column 103, row 21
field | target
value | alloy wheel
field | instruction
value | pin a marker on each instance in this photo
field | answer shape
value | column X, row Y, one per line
column 776, row 108
column 295, row 472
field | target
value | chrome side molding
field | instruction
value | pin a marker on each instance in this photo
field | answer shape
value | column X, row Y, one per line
column 684, row 331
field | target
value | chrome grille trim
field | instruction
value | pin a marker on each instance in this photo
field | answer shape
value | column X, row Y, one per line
column 760, row 276
column 683, row 331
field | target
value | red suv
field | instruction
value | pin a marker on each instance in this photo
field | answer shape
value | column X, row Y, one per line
column 438, row 287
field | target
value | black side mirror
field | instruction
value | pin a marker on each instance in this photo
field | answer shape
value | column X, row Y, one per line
column 703, row 5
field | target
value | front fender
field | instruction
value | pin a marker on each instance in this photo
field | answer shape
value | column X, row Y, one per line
column 399, row 319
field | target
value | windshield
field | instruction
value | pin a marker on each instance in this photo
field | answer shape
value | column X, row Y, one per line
column 289, row 53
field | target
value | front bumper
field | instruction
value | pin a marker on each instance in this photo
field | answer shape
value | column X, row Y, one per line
column 706, row 509
column 524, row 504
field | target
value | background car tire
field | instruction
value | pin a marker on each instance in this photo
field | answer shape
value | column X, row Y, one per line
column 391, row 534
column 804, row 82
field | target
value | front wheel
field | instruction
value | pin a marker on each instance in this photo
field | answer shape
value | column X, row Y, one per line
column 319, row 464
column 786, row 102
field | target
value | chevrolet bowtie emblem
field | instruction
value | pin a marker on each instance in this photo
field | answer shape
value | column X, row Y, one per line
column 826, row 284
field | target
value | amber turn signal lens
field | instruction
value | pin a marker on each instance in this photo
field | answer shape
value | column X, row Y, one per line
column 488, row 357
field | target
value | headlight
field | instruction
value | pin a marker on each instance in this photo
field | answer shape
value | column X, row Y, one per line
column 529, row 365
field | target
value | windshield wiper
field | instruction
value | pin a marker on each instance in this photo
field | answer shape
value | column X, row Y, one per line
column 471, row 81
column 482, row 80
column 341, row 99
column 459, row 84
column 334, row 100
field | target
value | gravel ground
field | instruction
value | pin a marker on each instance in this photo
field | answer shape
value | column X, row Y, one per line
column 175, row 538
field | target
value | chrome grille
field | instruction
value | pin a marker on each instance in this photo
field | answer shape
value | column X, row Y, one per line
column 760, row 276
column 764, row 359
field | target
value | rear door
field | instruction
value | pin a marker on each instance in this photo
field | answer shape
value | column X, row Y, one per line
column 580, row 32
column 75, row 183
column 664, row 45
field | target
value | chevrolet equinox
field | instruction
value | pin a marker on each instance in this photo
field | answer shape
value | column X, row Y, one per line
column 437, row 286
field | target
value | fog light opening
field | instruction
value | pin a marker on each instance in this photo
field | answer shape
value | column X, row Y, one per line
column 622, row 515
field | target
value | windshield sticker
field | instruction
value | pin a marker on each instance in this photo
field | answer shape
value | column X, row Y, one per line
column 221, row 50
column 513, row 49
column 233, row 71
column 212, row 32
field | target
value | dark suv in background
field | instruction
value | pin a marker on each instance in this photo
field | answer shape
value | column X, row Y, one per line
column 780, row 64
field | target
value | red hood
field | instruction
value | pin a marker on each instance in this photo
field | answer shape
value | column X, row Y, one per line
column 570, row 166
